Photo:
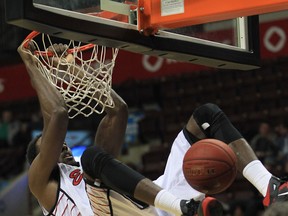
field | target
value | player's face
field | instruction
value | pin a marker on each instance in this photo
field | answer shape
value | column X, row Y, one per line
column 66, row 156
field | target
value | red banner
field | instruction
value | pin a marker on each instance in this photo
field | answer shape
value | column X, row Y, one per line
column 136, row 66
column 15, row 83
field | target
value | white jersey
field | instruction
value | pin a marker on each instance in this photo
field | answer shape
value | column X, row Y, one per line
column 72, row 198
column 173, row 178
column 106, row 202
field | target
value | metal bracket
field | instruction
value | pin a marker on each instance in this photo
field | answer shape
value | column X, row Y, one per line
column 119, row 8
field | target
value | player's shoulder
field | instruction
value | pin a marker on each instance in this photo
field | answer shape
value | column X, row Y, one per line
column 65, row 168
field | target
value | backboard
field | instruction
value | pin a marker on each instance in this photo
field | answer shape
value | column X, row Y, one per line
column 119, row 24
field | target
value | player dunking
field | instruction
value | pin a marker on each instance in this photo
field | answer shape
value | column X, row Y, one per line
column 56, row 180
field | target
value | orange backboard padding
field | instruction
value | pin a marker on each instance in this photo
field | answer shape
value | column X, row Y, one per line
column 200, row 11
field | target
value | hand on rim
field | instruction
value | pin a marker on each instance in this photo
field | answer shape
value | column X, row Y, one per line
column 60, row 51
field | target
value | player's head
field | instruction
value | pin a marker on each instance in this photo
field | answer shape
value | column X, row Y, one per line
column 33, row 150
column 264, row 128
column 282, row 128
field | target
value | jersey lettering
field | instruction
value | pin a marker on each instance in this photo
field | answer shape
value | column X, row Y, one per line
column 77, row 176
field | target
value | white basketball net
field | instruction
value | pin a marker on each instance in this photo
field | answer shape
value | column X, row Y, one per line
column 84, row 81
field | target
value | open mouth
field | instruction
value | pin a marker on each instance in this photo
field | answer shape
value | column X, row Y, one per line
column 68, row 157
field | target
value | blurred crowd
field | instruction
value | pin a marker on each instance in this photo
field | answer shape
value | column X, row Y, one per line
column 15, row 134
column 271, row 146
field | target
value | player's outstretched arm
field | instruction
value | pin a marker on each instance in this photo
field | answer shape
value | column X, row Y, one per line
column 55, row 119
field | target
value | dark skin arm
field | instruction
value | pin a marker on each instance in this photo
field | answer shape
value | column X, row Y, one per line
column 111, row 130
column 55, row 119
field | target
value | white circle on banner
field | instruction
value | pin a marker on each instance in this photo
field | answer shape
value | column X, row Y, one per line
column 152, row 67
column 280, row 43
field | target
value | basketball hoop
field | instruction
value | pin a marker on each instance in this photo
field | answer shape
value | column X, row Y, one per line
column 84, row 80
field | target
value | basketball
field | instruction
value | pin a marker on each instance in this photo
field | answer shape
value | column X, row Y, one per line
column 209, row 166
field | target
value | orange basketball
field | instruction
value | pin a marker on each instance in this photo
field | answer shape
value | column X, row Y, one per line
column 209, row 166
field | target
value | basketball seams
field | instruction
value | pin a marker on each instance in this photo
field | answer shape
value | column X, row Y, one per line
column 222, row 173
column 218, row 145
column 205, row 155
column 205, row 159
column 225, row 150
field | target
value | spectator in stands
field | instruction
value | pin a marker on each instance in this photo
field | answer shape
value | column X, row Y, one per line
column 264, row 142
column 277, row 209
column 20, row 141
column 23, row 136
column 282, row 140
column 8, row 128
column 36, row 120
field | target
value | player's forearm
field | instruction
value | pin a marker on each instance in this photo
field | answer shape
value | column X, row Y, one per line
column 48, row 95
column 49, row 98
